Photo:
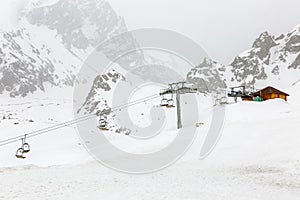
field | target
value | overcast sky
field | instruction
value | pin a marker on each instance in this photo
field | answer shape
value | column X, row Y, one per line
column 224, row 28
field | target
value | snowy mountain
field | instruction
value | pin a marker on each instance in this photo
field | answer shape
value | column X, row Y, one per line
column 208, row 75
column 80, row 23
column 102, row 83
column 84, row 24
column 26, row 67
column 271, row 60
column 52, row 42
column 99, row 99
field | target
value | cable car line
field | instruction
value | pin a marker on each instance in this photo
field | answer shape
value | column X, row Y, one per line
column 175, row 88
column 74, row 121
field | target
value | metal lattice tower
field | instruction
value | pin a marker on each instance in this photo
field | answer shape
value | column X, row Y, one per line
column 178, row 89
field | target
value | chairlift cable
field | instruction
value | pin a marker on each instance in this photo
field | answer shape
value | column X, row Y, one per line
column 74, row 121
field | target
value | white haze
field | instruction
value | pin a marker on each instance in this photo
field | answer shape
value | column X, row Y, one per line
column 224, row 28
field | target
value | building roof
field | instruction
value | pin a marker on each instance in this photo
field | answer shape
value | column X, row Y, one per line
column 269, row 90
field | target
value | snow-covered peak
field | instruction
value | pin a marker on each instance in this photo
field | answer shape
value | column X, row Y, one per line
column 262, row 40
column 27, row 64
column 51, row 41
column 295, row 30
column 270, row 60
column 207, row 75
column 80, row 23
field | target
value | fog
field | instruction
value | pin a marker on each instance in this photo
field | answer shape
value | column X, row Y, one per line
column 224, row 28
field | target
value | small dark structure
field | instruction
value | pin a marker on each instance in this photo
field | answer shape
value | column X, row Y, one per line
column 245, row 95
column 271, row 93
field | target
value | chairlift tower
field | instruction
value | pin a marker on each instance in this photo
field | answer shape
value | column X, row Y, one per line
column 178, row 89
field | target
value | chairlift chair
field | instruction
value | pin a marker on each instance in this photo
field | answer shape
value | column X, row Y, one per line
column 103, row 125
column 164, row 102
column 20, row 153
column 25, row 145
column 170, row 103
column 26, row 148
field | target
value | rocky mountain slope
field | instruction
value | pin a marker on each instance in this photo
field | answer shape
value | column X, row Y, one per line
column 80, row 23
column 27, row 65
column 209, row 75
column 84, row 25
column 52, row 42
column 271, row 60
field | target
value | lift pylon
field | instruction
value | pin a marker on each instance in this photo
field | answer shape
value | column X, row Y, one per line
column 178, row 89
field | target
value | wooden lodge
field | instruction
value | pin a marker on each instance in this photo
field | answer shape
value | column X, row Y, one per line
column 271, row 93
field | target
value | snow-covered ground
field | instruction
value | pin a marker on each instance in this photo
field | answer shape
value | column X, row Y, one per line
column 20, row 116
column 257, row 157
